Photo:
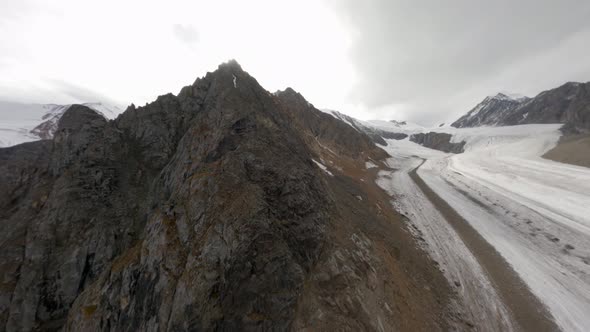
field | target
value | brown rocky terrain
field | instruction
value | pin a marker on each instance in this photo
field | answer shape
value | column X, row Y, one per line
column 222, row 208
column 574, row 149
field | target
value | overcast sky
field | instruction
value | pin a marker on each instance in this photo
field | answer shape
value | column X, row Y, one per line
column 424, row 61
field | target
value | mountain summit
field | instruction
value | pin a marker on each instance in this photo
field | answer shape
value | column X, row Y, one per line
column 225, row 207
column 491, row 111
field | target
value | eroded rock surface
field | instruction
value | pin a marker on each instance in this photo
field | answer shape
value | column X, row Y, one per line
column 207, row 211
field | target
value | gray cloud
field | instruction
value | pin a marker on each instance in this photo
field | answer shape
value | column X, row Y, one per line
column 186, row 33
column 436, row 56
column 78, row 94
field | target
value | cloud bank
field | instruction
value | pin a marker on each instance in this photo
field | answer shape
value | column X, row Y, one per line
column 435, row 58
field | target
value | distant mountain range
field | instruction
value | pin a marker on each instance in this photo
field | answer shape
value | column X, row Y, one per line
column 568, row 104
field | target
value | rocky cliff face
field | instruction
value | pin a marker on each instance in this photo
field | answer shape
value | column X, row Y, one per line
column 438, row 141
column 222, row 208
column 74, row 205
column 568, row 104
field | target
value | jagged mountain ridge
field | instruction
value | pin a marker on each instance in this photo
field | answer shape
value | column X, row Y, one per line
column 208, row 211
column 568, row 104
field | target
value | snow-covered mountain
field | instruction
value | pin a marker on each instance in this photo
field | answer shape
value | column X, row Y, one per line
column 568, row 104
column 21, row 123
column 491, row 111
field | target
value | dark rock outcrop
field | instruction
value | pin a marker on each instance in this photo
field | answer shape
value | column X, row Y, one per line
column 76, row 210
column 207, row 211
column 438, row 141
column 391, row 135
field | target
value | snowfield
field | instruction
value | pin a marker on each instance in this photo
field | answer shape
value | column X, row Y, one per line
column 443, row 244
column 534, row 212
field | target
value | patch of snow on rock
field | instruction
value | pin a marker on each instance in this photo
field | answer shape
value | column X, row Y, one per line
column 369, row 164
column 324, row 168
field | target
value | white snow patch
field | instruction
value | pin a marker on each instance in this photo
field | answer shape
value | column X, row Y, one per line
column 324, row 168
column 235, row 81
column 369, row 164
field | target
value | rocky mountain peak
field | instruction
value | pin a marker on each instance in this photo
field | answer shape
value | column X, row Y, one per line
column 224, row 207
column 231, row 65
column 229, row 77
column 504, row 96
column 289, row 95
column 76, row 116
column 573, row 84
column 490, row 111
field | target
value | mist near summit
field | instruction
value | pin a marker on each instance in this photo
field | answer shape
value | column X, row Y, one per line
column 378, row 59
